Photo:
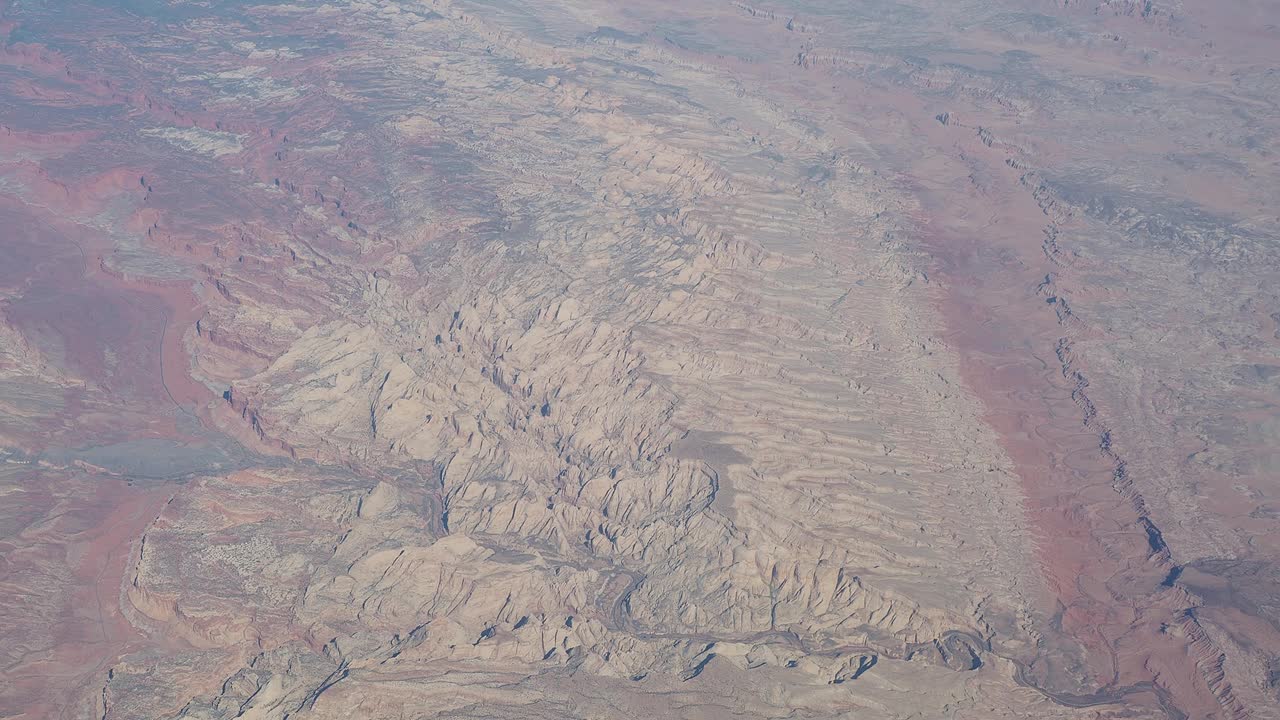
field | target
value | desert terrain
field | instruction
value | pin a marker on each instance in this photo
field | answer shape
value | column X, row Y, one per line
column 587, row 359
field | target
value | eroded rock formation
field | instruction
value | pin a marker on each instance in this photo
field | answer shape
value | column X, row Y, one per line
column 447, row 359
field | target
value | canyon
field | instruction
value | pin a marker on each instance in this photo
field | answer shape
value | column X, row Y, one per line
column 579, row 359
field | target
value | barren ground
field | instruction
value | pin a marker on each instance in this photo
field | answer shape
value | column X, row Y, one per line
column 579, row 359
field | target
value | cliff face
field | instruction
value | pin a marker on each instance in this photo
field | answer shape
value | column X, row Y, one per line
column 384, row 359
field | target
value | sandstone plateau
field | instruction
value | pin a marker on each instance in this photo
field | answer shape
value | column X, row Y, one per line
column 588, row 359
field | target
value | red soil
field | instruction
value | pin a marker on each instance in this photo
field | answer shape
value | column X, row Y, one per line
column 82, row 548
column 123, row 338
column 1102, row 571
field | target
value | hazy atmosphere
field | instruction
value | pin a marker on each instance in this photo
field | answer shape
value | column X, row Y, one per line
column 600, row 360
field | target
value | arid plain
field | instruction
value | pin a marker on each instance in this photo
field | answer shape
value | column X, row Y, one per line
column 602, row 360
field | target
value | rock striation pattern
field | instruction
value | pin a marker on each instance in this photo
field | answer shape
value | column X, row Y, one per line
column 465, row 359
